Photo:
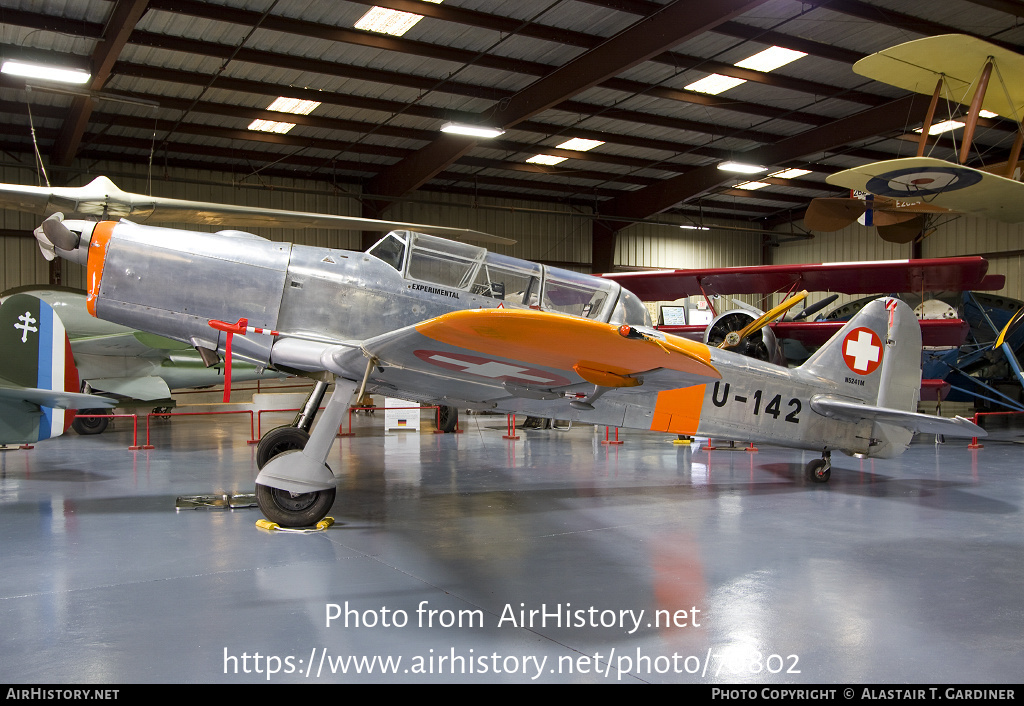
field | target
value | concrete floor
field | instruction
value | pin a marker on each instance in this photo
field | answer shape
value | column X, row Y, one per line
column 907, row 570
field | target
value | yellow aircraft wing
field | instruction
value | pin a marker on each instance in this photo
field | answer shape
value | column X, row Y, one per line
column 488, row 354
column 959, row 59
column 940, row 183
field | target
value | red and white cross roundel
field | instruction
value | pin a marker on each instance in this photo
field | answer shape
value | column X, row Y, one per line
column 490, row 368
column 862, row 351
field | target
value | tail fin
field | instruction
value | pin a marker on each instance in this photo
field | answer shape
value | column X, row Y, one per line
column 876, row 356
column 38, row 378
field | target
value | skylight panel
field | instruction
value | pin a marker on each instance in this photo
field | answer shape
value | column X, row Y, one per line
column 385, row 21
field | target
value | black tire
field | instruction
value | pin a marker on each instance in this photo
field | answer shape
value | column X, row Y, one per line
column 449, row 418
column 277, row 441
column 819, row 470
column 88, row 427
column 294, row 510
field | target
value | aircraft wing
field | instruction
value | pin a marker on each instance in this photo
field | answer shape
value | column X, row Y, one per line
column 54, row 398
column 942, row 183
column 102, row 199
column 856, row 411
column 936, row 274
column 958, row 58
column 485, row 355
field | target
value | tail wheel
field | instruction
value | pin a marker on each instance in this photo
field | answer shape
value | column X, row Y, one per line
column 277, row 441
column 294, row 509
column 448, row 418
column 819, row 470
column 87, row 427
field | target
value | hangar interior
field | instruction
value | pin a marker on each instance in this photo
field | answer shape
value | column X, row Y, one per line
column 903, row 570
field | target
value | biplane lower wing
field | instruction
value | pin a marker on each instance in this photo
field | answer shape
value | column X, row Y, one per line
column 939, row 183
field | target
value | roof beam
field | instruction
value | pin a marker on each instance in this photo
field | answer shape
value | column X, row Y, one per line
column 874, row 121
column 123, row 18
column 649, row 37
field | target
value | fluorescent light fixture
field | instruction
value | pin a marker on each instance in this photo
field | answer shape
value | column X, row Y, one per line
column 939, row 128
column 548, row 159
column 271, row 126
column 293, row 105
column 472, row 130
column 46, row 73
column 764, row 61
column 790, row 173
column 770, row 59
column 385, row 21
column 751, row 185
column 689, row 227
column 714, row 84
column 741, row 168
column 579, row 144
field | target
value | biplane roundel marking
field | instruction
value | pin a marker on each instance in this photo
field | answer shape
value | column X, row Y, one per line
column 491, row 369
column 862, row 350
column 922, row 181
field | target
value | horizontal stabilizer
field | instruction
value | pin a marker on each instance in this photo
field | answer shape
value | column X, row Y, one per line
column 55, row 398
column 914, row 421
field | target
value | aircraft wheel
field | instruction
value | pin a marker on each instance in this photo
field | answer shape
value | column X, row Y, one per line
column 294, row 509
column 819, row 470
column 87, row 427
column 449, row 418
column 277, row 441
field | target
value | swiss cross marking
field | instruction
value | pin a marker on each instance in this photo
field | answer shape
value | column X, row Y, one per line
column 497, row 370
column 862, row 351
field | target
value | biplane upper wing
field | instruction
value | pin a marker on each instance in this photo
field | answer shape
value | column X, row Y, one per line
column 102, row 199
column 485, row 355
column 937, row 274
column 959, row 59
column 941, row 333
column 941, row 183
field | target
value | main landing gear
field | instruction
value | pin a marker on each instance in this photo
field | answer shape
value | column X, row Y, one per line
column 820, row 469
column 296, row 487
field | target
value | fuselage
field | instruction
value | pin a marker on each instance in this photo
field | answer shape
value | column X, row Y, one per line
column 173, row 282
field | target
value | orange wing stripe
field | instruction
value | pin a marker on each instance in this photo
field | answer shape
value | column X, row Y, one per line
column 566, row 343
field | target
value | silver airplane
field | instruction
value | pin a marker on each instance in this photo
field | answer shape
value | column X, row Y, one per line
column 437, row 321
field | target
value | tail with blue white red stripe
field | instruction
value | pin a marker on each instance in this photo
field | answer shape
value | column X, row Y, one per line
column 38, row 378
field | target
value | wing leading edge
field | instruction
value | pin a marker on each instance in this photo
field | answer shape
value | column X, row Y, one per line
column 487, row 355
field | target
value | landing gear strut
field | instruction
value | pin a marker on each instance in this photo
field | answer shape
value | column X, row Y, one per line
column 296, row 487
column 820, row 469
column 295, row 435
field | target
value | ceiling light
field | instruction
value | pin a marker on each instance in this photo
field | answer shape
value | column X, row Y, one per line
column 939, row 128
column 751, row 185
column 770, row 59
column 293, row 105
column 47, row 73
column 548, row 159
column 472, row 130
column 270, row 126
column 385, row 21
column 741, row 168
column 790, row 173
column 714, row 84
column 689, row 227
column 579, row 144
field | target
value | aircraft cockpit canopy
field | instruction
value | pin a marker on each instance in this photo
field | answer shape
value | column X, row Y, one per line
column 515, row 282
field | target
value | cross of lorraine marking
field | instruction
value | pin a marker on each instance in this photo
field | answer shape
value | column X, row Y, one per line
column 26, row 320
